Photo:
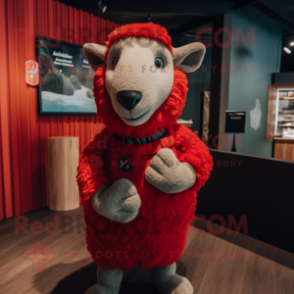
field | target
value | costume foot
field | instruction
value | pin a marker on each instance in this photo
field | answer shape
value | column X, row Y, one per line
column 176, row 285
column 98, row 289
column 108, row 282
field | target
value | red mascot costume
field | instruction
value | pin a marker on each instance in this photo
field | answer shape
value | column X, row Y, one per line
column 138, row 178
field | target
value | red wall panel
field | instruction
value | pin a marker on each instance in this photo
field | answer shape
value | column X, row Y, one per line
column 4, row 118
column 23, row 133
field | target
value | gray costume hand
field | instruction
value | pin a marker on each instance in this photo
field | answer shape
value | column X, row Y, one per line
column 169, row 175
column 119, row 202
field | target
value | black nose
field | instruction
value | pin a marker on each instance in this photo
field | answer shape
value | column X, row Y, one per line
column 129, row 99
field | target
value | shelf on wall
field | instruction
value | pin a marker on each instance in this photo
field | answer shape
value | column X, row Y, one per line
column 282, row 139
column 283, row 126
column 286, row 98
column 186, row 123
column 285, row 113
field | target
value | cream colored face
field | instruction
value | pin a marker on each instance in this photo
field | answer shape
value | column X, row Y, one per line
column 133, row 64
column 145, row 66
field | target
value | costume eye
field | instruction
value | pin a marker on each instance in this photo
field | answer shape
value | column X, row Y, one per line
column 115, row 62
column 159, row 62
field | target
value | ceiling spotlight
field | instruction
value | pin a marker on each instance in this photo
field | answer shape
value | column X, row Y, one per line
column 292, row 43
column 287, row 50
column 101, row 6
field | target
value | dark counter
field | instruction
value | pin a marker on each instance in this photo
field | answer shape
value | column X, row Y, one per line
column 254, row 192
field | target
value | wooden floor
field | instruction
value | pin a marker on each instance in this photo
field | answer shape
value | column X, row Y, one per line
column 224, row 264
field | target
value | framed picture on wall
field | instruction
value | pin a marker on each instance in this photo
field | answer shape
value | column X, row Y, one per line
column 65, row 78
column 205, row 116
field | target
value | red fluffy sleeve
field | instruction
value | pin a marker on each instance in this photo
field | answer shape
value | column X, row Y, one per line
column 91, row 174
column 193, row 151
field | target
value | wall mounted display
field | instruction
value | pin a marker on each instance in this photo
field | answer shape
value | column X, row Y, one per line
column 66, row 79
column 187, row 123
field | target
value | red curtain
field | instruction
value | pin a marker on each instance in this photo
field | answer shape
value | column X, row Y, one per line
column 23, row 133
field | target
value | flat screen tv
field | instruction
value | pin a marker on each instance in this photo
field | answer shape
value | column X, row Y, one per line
column 66, row 78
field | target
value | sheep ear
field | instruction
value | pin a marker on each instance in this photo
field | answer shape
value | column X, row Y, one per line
column 94, row 53
column 188, row 58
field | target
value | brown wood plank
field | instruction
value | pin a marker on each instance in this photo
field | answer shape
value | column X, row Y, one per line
column 258, row 276
column 271, row 107
column 226, row 268
column 208, row 260
column 279, row 150
column 289, row 151
column 284, row 150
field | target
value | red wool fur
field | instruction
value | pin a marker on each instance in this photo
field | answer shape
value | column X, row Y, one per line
column 157, row 236
column 148, row 30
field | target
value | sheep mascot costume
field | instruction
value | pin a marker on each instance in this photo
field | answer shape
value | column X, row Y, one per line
column 138, row 178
